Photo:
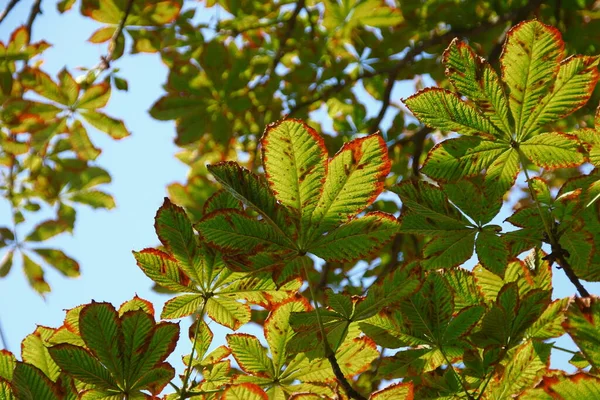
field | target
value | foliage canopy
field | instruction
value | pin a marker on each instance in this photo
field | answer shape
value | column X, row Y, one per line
column 349, row 248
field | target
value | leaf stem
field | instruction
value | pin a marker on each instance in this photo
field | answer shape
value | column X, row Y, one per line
column 558, row 253
column 460, row 380
column 565, row 350
column 329, row 354
column 188, row 371
column 485, row 386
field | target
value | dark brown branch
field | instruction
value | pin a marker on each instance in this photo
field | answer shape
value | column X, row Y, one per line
column 288, row 33
column 350, row 391
column 35, row 10
column 112, row 46
column 8, row 9
column 558, row 255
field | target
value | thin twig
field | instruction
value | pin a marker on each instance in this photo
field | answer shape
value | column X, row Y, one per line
column 8, row 9
column 35, row 10
column 288, row 33
column 329, row 354
column 112, row 46
column 3, row 339
column 558, row 253
column 458, row 377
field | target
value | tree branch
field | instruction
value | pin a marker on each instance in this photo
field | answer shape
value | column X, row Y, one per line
column 558, row 255
column 112, row 46
column 8, row 9
column 329, row 354
column 35, row 10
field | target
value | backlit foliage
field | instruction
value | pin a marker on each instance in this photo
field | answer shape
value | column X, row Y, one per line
column 349, row 248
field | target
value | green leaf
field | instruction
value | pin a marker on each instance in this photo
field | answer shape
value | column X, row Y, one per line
column 29, row 383
column 220, row 200
column 232, row 231
column 354, row 179
column 34, row 352
column 250, row 355
column 530, row 62
column 523, row 369
column 246, row 391
column 474, row 78
column 96, row 96
column 164, row 270
column 48, row 229
column 583, row 325
column 356, row 239
column 549, row 324
column 82, row 145
column 356, row 354
column 138, row 329
column 278, row 330
column 82, row 365
column 59, row 260
column 462, row 157
column 176, row 233
column 182, row 306
column 101, row 330
column 441, row 109
column 390, row 291
column 295, row 158
column 68, row 86
column 7, row 364
column 94, row 198
column 572, row 89
column 553, row 150
column 397, row 391
column 161, row 345
column 115, row 128
column 252, row 191
column 491, row 251
column 35, row 275
column 228, row 312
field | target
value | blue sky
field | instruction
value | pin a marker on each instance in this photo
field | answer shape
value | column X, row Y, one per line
column 141, row 166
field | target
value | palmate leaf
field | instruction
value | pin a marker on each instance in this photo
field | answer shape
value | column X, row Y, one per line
column 304, row 204
column 541, row 88
column 428, row 212
column 530, row 63
column 124, row 351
